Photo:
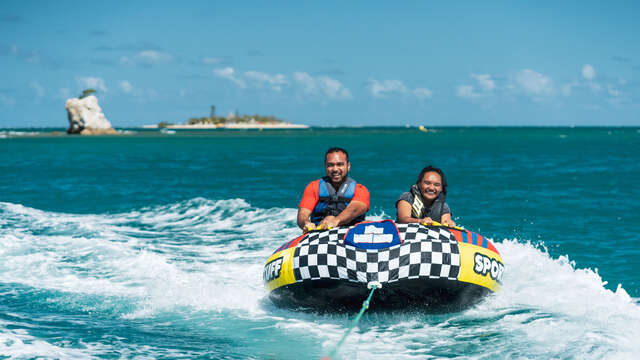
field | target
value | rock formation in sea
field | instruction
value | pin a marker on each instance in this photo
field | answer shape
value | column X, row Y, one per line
column 86, row 117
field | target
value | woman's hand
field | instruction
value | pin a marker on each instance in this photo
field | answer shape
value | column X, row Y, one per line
column 447, row 220
column 427, row 221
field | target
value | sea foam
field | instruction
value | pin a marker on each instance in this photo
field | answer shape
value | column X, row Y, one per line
column 198, row 258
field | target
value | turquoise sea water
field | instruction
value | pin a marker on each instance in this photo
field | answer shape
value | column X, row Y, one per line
column 152, row 245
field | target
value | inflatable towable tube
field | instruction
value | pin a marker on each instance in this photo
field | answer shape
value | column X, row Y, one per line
column 427, row 268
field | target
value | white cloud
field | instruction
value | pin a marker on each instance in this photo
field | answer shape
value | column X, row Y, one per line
column 224, row 72
column 484, row 81
column 423, row 93
column 152, row 57
column 567, row 89
column 147, row 58
column 321, row 86
column 380, row 89
column 229, row 74
column 467, row 92
column 594, row 86
column 333, row 88
column 485, row 85
column 384, row 88
column 589, row 82
column 92, row 83
column 28, row 56
column 126, row 61
column 534, row 83
column 259, row 79
column 613, row 91
column 125, row 86
column 306, row 81
column 38, row 88
column 588, row 72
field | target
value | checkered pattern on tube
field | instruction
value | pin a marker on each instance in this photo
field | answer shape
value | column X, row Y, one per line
column 425, row 252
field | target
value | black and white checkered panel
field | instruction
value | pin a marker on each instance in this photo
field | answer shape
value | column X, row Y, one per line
column 425, row 252
column 417, row 232
column 335, row 234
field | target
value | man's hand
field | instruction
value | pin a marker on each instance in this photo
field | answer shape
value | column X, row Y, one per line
column 308, row 226
column 329, row 222
column 353, row 210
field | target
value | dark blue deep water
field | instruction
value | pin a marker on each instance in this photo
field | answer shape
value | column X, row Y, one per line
column 151, row 245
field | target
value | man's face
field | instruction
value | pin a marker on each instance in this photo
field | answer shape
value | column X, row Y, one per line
column 336, row 166
column 431, row 185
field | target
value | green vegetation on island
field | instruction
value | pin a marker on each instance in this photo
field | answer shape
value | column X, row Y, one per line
column 234, row 119
column 86, row 93
column 230, row 119
column 164, row 124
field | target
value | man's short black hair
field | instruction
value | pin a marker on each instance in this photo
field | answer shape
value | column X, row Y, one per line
column 336, row 149
column 436, row 170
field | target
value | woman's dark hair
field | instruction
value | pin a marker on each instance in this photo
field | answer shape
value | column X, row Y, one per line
column 436, row 170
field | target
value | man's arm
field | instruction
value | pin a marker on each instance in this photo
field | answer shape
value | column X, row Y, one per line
column 308, row 202
column 303, row 218
column 352, row 211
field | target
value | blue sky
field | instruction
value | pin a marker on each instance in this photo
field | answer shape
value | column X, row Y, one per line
column 324, row 62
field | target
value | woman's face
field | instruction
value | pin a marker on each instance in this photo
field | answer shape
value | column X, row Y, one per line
column 431, row 186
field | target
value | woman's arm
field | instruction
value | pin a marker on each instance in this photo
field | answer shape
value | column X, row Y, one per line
column 404, row 213
column 446, row 220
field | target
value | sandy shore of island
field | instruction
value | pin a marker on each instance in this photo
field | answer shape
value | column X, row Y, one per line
column 231, row 126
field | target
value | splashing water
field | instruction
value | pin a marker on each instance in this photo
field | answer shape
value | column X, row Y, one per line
column 185, row 280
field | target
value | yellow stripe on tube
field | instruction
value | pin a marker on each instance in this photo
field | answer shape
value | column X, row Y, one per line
column 480, row 266
column 279, row 269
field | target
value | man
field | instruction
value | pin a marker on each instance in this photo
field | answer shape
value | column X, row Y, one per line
column 334, row 200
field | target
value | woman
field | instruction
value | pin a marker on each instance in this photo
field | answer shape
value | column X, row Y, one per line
column 425, row 202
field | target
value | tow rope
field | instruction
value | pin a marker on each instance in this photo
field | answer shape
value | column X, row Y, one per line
column 365, row 305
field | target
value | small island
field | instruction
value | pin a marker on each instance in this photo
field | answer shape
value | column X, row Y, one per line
column 231, row 121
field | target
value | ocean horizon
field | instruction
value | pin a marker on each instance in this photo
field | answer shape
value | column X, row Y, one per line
column 412, row 126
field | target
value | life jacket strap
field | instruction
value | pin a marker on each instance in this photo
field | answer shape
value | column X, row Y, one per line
column 417, row 207
column 332, row 202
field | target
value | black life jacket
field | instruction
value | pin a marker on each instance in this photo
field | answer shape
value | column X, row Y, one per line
column 332, row 202
column 420, row 211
